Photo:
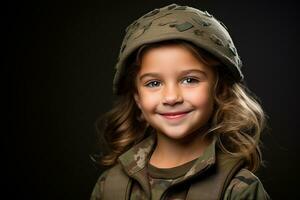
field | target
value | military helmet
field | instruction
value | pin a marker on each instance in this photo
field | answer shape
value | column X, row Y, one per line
column 184, row 23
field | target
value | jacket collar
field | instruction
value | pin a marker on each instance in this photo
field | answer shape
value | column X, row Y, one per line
column 136, row 158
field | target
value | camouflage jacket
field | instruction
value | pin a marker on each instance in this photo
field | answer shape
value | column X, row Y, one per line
column 133, row 163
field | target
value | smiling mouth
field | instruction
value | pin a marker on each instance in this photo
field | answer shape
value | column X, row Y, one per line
column 175, row 115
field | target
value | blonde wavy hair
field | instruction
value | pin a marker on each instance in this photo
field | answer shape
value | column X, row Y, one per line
column 238, row 118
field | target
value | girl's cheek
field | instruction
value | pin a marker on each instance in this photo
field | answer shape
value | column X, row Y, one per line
column 149, row 99
column 200, row 97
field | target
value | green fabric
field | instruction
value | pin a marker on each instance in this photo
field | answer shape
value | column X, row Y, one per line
column 216, row 179
column 170, row 173
column 133, row 164
column 116, row 177
column 161, row 178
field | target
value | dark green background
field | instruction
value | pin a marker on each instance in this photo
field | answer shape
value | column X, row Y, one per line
column 59, row 58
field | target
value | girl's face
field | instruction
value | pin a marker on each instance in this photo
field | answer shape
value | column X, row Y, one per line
column 174, row 91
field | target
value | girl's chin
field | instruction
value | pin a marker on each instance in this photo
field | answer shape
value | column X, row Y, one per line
column 184, row 134
column 175, row 135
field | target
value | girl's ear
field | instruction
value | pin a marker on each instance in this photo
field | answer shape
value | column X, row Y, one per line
column 137, row 100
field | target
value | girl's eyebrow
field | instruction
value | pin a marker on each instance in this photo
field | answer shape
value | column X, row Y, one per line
column 152, row 74
column 185, row 72
column 182, row 73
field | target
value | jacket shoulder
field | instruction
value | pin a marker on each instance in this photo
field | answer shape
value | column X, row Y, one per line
column 99, row 186
column 245, row 185
column 97, row 193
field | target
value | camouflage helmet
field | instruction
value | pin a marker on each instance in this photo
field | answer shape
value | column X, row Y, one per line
column 184, row 23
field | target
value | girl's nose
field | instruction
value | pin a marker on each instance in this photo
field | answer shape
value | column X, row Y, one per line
column 172, row 95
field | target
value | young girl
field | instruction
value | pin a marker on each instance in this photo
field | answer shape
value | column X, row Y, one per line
column 184, row 125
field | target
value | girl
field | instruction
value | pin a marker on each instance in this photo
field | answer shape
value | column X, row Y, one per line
column 184, row 125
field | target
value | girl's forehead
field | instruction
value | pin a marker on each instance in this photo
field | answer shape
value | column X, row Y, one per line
column 171, row 58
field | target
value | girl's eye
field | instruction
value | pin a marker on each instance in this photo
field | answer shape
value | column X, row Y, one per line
column 190, row 80
column 153, row 84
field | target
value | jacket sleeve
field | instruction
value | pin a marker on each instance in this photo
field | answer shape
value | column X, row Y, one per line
column 245, row 185
column 99, row 186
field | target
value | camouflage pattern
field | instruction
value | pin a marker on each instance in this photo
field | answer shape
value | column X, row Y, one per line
column 179, row 22
column 244, row 185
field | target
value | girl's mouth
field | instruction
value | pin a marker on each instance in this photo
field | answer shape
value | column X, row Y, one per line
column 175, row 115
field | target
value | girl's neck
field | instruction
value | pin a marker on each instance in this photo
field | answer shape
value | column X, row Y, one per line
column 170, row 152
